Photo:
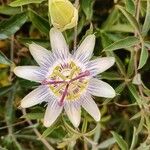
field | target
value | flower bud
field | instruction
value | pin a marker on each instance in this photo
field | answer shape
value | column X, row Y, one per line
column 63, row 14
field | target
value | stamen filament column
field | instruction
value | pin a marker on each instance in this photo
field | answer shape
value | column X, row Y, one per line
column 52, row 82
column 84, row 74
column 63, row 95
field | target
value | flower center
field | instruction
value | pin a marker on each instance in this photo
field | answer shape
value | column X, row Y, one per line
column 68, row 81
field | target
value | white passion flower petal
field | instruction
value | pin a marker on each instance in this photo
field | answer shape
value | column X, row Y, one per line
column 41, row 55
column 101, row 89
column 31, row 73
column 100, row 65
column 85, row 50
column 73, row 113
column 58, row 44
column 52, row 112
column 90, row 106
column 35, row 97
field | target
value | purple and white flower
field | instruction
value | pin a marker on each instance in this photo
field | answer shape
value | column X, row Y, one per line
column 66, row 81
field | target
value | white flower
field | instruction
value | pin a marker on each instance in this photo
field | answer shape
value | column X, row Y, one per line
column 66, row 81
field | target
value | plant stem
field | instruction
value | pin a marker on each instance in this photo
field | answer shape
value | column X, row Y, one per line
column 76, row 4
column 136, row 49
column 11, row 56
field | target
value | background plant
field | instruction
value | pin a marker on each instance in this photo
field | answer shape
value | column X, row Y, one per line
column 122, row 30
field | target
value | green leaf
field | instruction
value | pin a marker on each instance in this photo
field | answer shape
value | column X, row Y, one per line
column 134, row 139
column 130, row 69
column 81, row 24
column 1, row 148
column 88, row 32
column 105, row 119
column 146, row 25
column 43, row 42
column 141, row 125
column 111, row 76
column 130, row 18
column 12, row 25
column 39, row 22
column 137, row 115
column 130, row 7
column 147, row 44
column 106, row 41
column 4, row 60
column 84, row 125
column 118, row 90
column 123, row 43
column 121, row 28
column 106, row 144
column 135, row 94
column 112, row 18
column 87, row 7
column 121, row 142
column 24, row 2
column 97, row 134
column 7, row 10
column 143, row 57
column 9, row 113
column 69, row 128
column 49, row 130
column 90, row 133
column 5, row 89
column 119, row 63
column 33, row 116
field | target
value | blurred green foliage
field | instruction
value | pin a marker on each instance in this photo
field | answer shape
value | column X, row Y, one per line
column 122, row 31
